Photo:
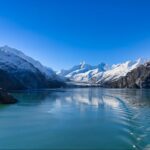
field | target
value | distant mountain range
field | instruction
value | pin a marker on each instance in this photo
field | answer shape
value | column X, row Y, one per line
column 130, row 74
column 18, row 71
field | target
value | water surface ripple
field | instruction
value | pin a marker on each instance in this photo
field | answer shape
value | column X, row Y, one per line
column 81, row 118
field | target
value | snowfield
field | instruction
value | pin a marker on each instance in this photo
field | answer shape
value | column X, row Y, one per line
column 85, row 73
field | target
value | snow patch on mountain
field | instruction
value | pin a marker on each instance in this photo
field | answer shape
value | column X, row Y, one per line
column 18, row 60
column 85, row 73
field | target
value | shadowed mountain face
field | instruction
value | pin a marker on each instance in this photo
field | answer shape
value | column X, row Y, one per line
column 18, row 71
column 26, row 80
column 137, row 78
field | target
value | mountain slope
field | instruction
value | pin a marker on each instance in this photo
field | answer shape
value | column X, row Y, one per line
column 119, row 70
column 83, row 72
column 18, row 71
column 124, row 75
column 137, row 78
column 101, row 73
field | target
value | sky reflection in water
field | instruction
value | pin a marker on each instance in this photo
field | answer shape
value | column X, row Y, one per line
column 90, row 118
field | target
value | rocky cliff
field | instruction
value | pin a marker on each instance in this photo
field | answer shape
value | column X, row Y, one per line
column 137, row 78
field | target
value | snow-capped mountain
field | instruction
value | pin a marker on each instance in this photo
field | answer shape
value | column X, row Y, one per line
column 85, row 73
column 21, row 71
column 15, row 56
column 18, row 71
column 136, row 78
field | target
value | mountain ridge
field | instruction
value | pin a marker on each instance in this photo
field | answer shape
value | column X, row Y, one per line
column 102, row 72
column 19, row 71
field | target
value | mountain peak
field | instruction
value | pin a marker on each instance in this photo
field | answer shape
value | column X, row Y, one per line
column 8, row 49
column 18, row 55
column 102, row 72
column 82, row 64
column 102, row 66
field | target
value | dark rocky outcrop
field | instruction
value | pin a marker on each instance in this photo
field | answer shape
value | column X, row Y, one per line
column 6, row 98
column 137, row 78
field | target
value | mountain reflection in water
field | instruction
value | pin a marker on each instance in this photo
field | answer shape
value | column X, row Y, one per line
column 78, row 118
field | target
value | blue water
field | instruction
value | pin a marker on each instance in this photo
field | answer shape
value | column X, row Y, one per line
column 83, row 118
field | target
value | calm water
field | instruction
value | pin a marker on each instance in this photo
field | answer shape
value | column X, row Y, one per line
column 89, row 118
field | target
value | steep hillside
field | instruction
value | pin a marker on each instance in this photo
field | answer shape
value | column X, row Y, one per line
column 18, row 71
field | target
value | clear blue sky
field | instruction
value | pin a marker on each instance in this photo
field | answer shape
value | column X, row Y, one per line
column 61, row 33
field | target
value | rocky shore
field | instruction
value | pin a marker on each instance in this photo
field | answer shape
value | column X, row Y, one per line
column 6, row 98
